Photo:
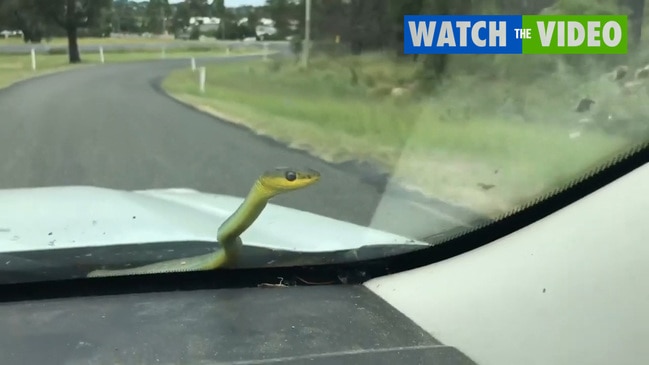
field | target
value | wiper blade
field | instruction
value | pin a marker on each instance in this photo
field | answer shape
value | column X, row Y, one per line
column 72, row 263
column 254, row 257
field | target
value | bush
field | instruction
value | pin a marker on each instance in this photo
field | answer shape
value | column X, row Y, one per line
column 58, row 51
column 296, row 45
column 213, row 34
column 194, row 34
column 198, row 49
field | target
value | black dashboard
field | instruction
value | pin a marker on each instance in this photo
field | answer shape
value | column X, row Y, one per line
column 326, row 324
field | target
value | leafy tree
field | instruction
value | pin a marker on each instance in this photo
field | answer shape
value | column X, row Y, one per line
column 70, row 15
column 279, row 11
column 198, row 7
column 636, row 9
column 276, row 8
column 434, row 66
column 218, row 8
column 14, row 15
column 329, row 18
column 180, row 17
column 396, row 10
column 157, row 12
column 195, row 33
column 125, row 17
column 249, row 28
column 369, row 24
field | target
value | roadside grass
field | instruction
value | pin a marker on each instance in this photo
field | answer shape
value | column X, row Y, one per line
column 15, row 68
column 452, row 146
column 62, row 41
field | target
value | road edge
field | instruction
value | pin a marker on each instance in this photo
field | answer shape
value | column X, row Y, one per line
column 371, row 174
column 74, row 67
column 45, row 74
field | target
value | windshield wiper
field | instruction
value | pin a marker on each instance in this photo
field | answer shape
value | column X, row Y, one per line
column 73, row 263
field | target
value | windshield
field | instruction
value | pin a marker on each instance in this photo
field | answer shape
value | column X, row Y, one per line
column 163, row 128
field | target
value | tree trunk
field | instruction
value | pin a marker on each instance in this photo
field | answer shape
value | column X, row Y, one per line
column 635, row 20
column 73, row 44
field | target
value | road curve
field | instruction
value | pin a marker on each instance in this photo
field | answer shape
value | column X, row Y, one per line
column 109, row 126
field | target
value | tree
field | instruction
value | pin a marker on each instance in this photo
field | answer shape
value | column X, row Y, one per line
column 125, row 17
column 329, row 18
column 157, row 12
column 218, row 8
column 369, row 25
column 279, row 12
column 198, row 7
column 434, row 66
column 228, row 27
column 636, row 8
column 14, row 15
column 249, row 28
column 70, row 15
column 397, row 8
column 180, row 18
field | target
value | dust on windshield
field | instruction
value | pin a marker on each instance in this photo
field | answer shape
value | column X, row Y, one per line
column 242, row 98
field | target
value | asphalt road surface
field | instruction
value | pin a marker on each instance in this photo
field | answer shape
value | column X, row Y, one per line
column 108, row 126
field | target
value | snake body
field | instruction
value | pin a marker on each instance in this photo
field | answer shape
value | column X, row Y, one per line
column 268, row 185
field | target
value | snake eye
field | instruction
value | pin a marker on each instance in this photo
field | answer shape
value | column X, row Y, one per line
column 290, row 175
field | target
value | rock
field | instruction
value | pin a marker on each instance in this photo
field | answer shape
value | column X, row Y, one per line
column 584, row 105
column 642, row 73
column 399, row 91
column 632, row 87
column 619, row 73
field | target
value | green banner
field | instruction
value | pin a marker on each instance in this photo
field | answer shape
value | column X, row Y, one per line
column 574, row 34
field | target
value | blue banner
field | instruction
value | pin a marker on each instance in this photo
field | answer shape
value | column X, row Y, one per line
column 462, row 34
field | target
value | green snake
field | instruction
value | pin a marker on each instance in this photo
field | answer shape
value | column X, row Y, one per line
column 268, row 185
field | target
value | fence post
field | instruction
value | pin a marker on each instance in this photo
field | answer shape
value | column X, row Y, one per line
column 265, row 58
column 33, row 59
column 201, row 79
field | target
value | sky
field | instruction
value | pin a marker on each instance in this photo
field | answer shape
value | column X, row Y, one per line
column 228, row 3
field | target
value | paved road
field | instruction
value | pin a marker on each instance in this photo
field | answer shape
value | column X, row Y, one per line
column 107, row 126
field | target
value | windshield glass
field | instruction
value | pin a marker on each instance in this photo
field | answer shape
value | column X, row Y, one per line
column 363, row 132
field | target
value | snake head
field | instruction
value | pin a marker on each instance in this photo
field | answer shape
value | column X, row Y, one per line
column 283, row 179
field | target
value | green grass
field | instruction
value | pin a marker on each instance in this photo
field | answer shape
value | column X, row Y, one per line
column 62, row 41
column 14, row 68
column 445, row 146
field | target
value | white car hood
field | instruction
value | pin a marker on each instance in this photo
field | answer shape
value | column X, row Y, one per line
column 84, row 216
